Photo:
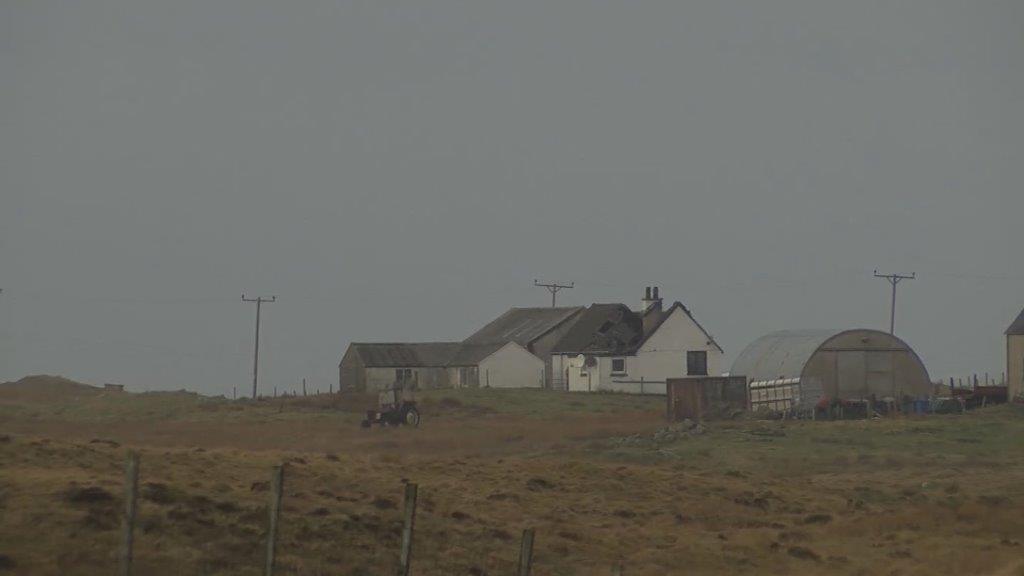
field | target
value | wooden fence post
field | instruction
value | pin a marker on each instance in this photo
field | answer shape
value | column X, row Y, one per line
column 526, row 553
column 405, row 556
column 276, row 486
column 131, row 481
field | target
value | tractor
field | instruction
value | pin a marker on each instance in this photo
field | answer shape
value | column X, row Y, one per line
column 396, row 407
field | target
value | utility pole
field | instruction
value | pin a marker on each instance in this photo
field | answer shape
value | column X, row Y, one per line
column 256, row 355
column 554, row 288
column 894, row 279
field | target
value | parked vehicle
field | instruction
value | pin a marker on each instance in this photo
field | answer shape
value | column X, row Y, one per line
column 396, row 407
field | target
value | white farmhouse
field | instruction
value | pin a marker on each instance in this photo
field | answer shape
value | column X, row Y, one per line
column 613, row 348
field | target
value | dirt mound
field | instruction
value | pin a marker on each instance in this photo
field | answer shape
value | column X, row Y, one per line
column 87, row 495
column 43, row 388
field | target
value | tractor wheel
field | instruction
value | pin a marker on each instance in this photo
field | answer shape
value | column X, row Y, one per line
column 412, row 417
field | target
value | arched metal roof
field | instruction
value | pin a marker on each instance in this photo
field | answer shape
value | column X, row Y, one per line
column 780, row 354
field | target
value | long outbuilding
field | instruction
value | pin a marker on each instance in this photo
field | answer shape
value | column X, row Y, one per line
column 837, row 364
column 512, row 351
column 373, row 366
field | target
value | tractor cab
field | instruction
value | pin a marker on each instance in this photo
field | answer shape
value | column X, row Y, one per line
column 396, row 406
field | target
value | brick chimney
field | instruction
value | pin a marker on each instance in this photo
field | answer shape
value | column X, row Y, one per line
column 651, row 298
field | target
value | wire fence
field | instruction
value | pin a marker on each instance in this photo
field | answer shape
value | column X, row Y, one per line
column 399, row 562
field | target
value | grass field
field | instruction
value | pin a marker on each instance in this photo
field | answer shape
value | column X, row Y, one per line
column 593, row 474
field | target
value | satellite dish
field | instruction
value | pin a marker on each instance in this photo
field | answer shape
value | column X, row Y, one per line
column 578, row 362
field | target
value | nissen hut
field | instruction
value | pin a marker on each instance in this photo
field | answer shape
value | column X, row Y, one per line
column 837, row 364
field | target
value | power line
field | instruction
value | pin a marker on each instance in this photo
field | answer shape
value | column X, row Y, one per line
column 554, row 288
column 894, row 279
column 256, row 354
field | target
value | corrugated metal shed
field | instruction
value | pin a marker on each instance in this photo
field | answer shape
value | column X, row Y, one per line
column 780, row 355
column 522, row 325
column 845, row 364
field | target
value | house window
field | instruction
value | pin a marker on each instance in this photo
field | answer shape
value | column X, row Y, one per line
column 697, row 363
column 618, row 365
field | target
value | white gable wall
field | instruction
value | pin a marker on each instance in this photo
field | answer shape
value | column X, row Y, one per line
column 664, row 353
column 661, row 357
column 512, row 366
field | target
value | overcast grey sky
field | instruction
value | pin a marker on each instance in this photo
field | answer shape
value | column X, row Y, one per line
column 402, row 170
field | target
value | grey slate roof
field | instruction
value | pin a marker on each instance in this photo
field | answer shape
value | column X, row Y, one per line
column 406, row 354
column 522, row 325
column 1017, row 328
column 603, row 329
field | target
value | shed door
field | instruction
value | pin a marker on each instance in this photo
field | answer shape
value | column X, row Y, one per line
column 851, row 373
column 684, row 398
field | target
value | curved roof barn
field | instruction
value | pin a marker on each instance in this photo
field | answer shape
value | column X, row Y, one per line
column 841, row 363
column 780, row 355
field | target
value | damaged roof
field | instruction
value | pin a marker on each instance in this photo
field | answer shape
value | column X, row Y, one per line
column 603, row 328
column 406, row 354
column 522, row 325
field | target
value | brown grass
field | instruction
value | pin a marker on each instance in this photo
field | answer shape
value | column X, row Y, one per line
column 939, row 495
